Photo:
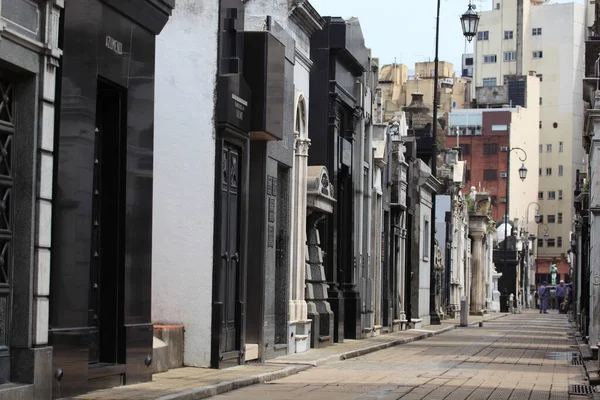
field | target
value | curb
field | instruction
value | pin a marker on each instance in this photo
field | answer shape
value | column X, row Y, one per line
column 228, row 386
column 294, row 368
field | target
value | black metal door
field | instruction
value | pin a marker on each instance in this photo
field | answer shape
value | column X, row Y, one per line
column 230, row 245
column 106, row 269
column 7, row 131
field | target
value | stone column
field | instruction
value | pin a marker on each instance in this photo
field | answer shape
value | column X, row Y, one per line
column 478, row 272
column 297, row 306
column 477, row 228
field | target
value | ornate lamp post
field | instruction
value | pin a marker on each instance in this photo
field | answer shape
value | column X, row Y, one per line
column 522, row 175
column 469, row 21
column 525, row 256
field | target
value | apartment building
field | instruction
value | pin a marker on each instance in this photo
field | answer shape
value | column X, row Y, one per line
column 485, row 136
column 520, row 37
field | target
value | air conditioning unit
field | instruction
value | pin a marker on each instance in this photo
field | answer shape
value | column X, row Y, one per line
column 503, row 175
column 503, row 148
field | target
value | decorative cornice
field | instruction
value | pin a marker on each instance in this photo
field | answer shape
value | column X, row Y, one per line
column 433, row 184
column 300, row 56
column 306, row 17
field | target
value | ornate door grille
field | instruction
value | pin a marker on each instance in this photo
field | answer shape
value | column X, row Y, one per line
column 7, row 131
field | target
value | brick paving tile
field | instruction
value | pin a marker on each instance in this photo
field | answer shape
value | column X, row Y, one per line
column 506, row 359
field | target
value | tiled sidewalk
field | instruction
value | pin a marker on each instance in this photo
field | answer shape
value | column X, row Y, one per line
column 198, row 383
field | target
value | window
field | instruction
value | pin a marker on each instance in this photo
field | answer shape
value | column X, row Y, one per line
column 493, row 199
column 483, row 35
column 540, row 242
column 559, row 241
column 490, row 148
column 538, row 54
column 551, row 243
column 560, row 194
column 466, row 149
column 548, row 171
column 551, row 196
column 540, row 124
column 425, row 236
column 468, row 175
column 508, row 35
column 469, row 61
column 548, row 148
column 502, row 199
column 541, row 101
column 541, row 148
column 560, row 170
column 490, row 175
column 540, row 76
column 541, row 218
column 540, row 195
column 540, row 171
column 510, row 56
column 465, row 72
column 560, row 147
column 551, row 219
column 536, row 31
column 489, row 81
column 489, row 59
column 560, row 218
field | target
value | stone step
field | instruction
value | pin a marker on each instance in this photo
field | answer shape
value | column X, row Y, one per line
column 160, row 356
column 251, row 351
column 172, row 336
column 591, row 369
column 16, row 391
column 586, row 352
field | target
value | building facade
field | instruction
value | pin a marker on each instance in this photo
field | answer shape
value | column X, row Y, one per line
column 101, row 271
column 340, row 62
column 30, row 54
column 520, row 36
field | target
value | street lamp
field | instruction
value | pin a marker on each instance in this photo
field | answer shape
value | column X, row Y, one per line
column 522, row 175
column 469, row 21
column 537, row 217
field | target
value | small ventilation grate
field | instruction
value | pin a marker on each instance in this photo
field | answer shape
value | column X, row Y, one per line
column 559, row 355
column 576, row 360
column 582, row 389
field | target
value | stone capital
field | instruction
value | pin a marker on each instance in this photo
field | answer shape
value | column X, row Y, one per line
column 301, row 145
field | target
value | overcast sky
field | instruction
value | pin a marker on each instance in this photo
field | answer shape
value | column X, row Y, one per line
column 404, row 30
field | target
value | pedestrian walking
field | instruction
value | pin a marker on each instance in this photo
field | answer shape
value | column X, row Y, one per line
column 543, row 295
column 561, row 292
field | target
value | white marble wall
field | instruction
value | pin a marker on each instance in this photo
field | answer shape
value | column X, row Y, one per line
column 184, row 162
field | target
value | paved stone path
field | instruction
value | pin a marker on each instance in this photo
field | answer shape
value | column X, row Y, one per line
column 522, row 356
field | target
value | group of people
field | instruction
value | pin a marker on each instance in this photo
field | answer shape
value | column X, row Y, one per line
column 562, row 294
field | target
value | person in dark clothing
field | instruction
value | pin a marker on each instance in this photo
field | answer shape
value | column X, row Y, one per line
column 543, row 295
column 561, row 292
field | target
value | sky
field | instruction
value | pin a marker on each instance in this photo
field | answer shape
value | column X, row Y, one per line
column 404, row 30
